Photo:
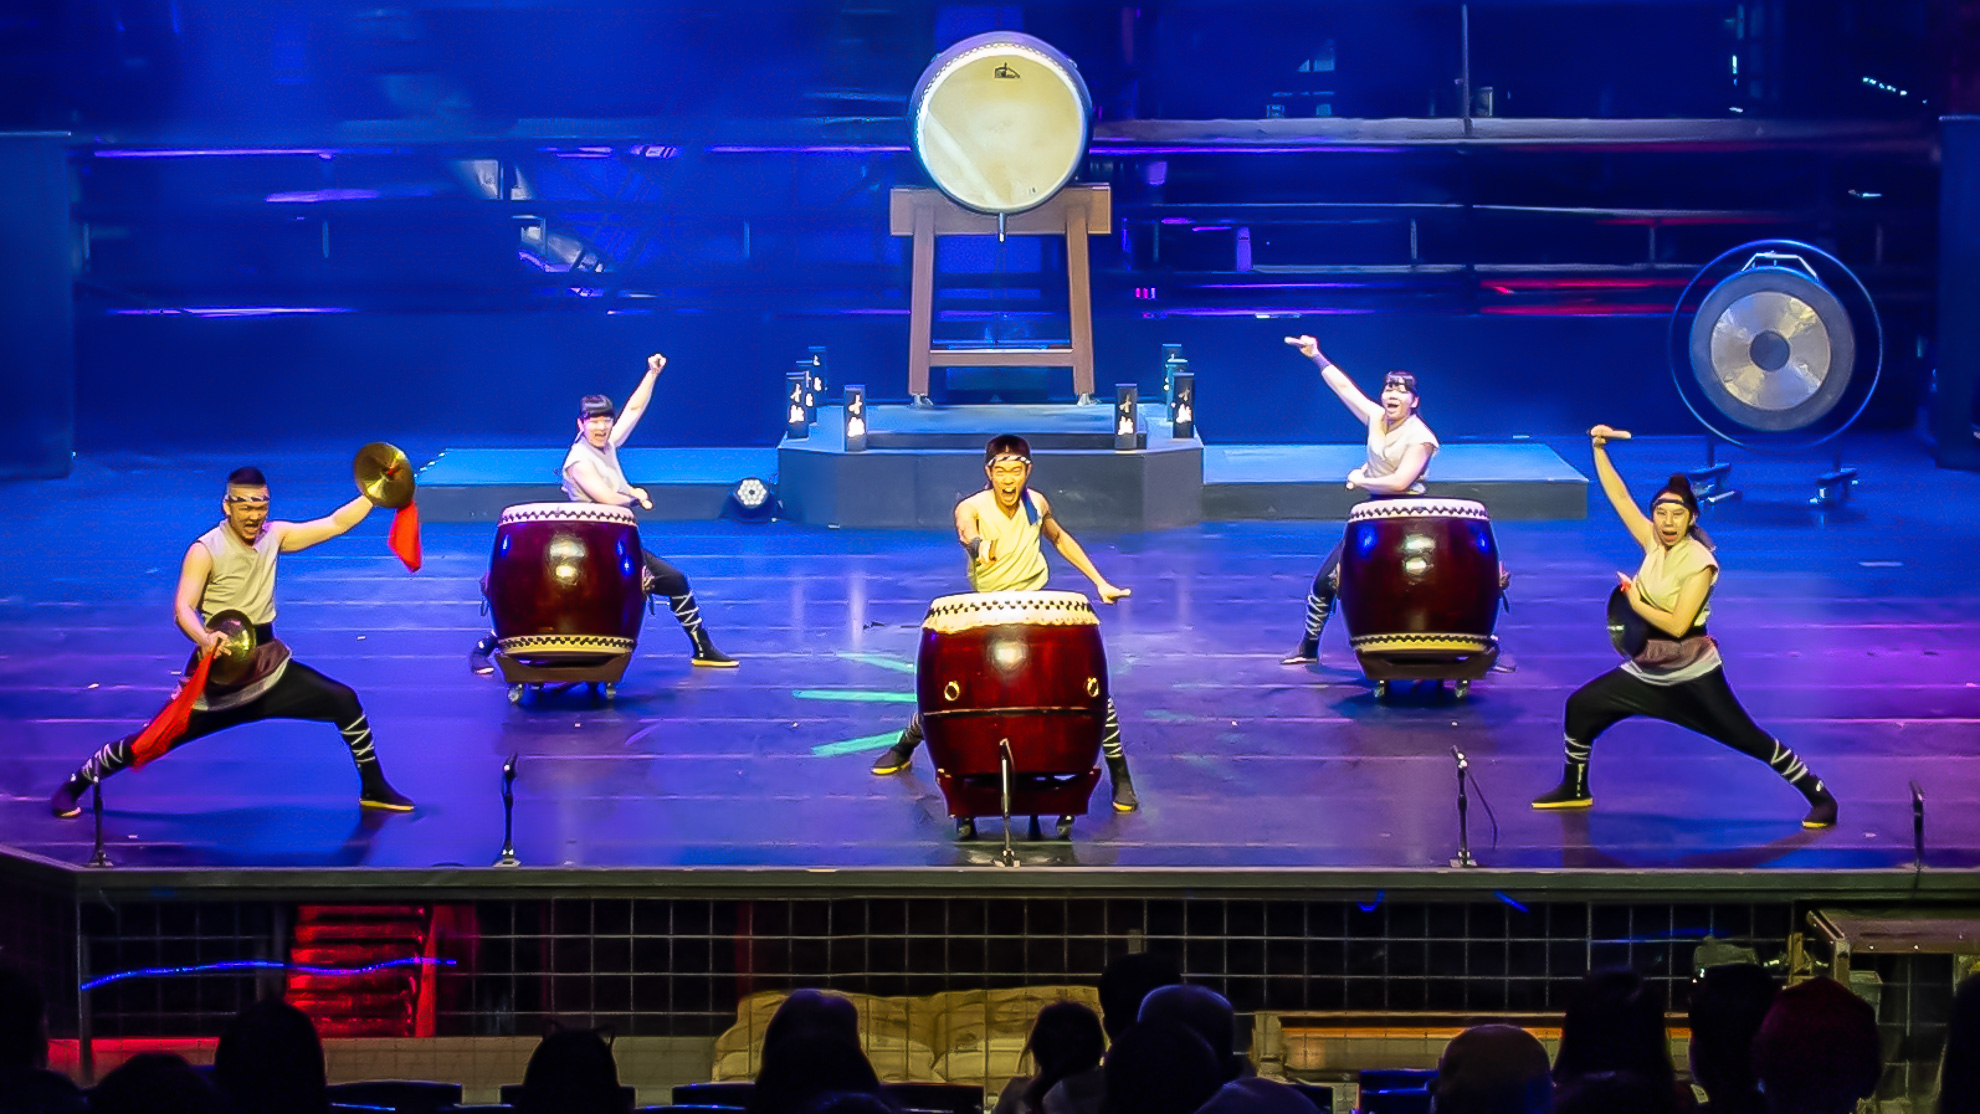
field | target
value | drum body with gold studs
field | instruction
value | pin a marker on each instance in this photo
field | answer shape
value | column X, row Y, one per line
column 564, row 583
column 1421, row 587
column 1020, row 668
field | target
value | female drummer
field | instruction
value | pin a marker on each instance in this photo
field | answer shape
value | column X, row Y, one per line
column 1399, row 449
column 1678, row 677
column 1001, row 527
column 591, row 474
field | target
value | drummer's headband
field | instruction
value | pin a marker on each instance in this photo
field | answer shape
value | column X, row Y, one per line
column 1007, row 446
column 596, row 406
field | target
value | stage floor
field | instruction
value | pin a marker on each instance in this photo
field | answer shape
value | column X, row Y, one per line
column 1851, row 635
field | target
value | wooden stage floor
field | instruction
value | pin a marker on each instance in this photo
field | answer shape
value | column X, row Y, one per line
column 1851, row 635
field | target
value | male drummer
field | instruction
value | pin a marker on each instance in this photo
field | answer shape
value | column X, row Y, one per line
column 1399, row 449
column 1000, row 528
column 232, row 568
column 591, row 474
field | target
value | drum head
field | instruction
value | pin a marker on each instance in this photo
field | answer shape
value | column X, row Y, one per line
column 566, row 512
column 1628, row 632
column 975, row 610
column 1000, row 122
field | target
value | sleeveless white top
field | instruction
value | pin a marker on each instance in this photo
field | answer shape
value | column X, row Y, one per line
column 606, row 460
column 1020, row 564
column 243, row 577
column 1386, row 447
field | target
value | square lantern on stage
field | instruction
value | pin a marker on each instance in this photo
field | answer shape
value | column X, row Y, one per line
column 1182, row 406
column 1172, row 362
column 820, row 369
column 797, row 424
column 809, row 384
column 855, row 417
column 1126, row 397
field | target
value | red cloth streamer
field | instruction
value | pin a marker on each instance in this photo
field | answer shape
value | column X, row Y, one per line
column 170, row 722
column 404, row 538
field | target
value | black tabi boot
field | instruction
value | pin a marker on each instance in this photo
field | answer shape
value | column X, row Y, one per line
column 1572, row 792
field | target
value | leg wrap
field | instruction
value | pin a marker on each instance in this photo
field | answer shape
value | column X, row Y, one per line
column 1110, row 735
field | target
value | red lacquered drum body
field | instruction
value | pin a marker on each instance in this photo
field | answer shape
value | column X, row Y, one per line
column 1420, row 579
column 1026, row 667
column 564, row 583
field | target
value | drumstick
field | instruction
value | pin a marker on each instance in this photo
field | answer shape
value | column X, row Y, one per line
column 1615, row 435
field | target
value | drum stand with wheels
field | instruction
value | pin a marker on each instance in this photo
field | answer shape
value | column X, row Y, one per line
column 1460, row 671
column 602, row 674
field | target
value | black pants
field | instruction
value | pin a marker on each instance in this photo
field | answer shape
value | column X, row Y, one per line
column 302, row 694
column 662, row 578
column 1703, row 704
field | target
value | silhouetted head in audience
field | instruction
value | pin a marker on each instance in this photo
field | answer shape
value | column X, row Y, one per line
column 1256, row 1096
column 23, row 1022
column 1612, row 1092
column 270, row 1061
column 1728, row 1003
column 1160, row 1067
column 1817, row 1051
column 811, row 1047
column 1615, row 1023
column 1492, row 1069
column 1125, row 982
column 154, row 1083
column 1065, row 1040
column 1204, row 1012
column 1959, row 1074
column 572, row 1072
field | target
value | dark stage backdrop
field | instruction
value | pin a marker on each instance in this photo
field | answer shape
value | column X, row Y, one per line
column 484, row 378
column 1953, row 425
column 37, row 347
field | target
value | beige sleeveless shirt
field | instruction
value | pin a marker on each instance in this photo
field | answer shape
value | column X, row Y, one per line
column 1020, row 564
column 243, row 577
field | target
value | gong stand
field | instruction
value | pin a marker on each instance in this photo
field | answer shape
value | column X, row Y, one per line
column 1713, row 482
column 1075, row 213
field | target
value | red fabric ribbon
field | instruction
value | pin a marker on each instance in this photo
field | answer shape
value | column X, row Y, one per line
column 170, row 722
column 404, row 538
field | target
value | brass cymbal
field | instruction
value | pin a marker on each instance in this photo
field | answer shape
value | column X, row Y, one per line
column 384, row 475
column 231, row 664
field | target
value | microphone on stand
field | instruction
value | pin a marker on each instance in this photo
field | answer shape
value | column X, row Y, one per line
column 1463, row 857
column 98, row 858
column 509, row 815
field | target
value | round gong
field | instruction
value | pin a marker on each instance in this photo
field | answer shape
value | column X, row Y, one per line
column 1772, row 348
column 1000, row 122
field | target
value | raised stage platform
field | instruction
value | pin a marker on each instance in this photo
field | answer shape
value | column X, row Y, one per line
column 715, row 833
column 918, row 463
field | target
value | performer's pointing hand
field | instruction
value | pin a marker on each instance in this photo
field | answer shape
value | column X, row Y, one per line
column 1307, row 346
column 1109, row 593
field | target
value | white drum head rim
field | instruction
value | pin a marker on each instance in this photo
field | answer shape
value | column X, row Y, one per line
column 976, row 610
column 981, row 195
column 567, row 512
column 1418, row 508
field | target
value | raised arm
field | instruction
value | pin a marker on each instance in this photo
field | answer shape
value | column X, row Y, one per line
column 1360, row 405
column 301, row 535
column 636, row 405
column 1049, row 528
column 1633, row 518
column 194, row 571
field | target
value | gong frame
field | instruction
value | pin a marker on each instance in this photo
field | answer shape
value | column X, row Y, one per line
column 1851, row 295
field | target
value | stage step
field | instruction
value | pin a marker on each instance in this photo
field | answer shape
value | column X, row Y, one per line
column 381, row 1003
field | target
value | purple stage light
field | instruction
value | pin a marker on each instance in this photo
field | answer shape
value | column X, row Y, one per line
column 304, row 197
column 806, row 149
column 215, row 152
column 228, row 311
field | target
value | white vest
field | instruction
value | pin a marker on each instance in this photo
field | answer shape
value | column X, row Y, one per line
column 605, row 460
column 243, row 577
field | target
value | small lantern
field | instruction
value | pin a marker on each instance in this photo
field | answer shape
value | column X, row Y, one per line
column 855, row 417
column 1126, row 398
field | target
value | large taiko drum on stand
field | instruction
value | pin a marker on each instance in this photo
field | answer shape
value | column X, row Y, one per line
column 1023, row 668
column 1000, row 122
column 564, row 587
column 1420, row 589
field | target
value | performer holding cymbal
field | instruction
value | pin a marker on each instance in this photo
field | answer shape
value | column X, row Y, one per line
column 1678, row 677
column 229, row 574
column 1399, row 449
column 1001, row 527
